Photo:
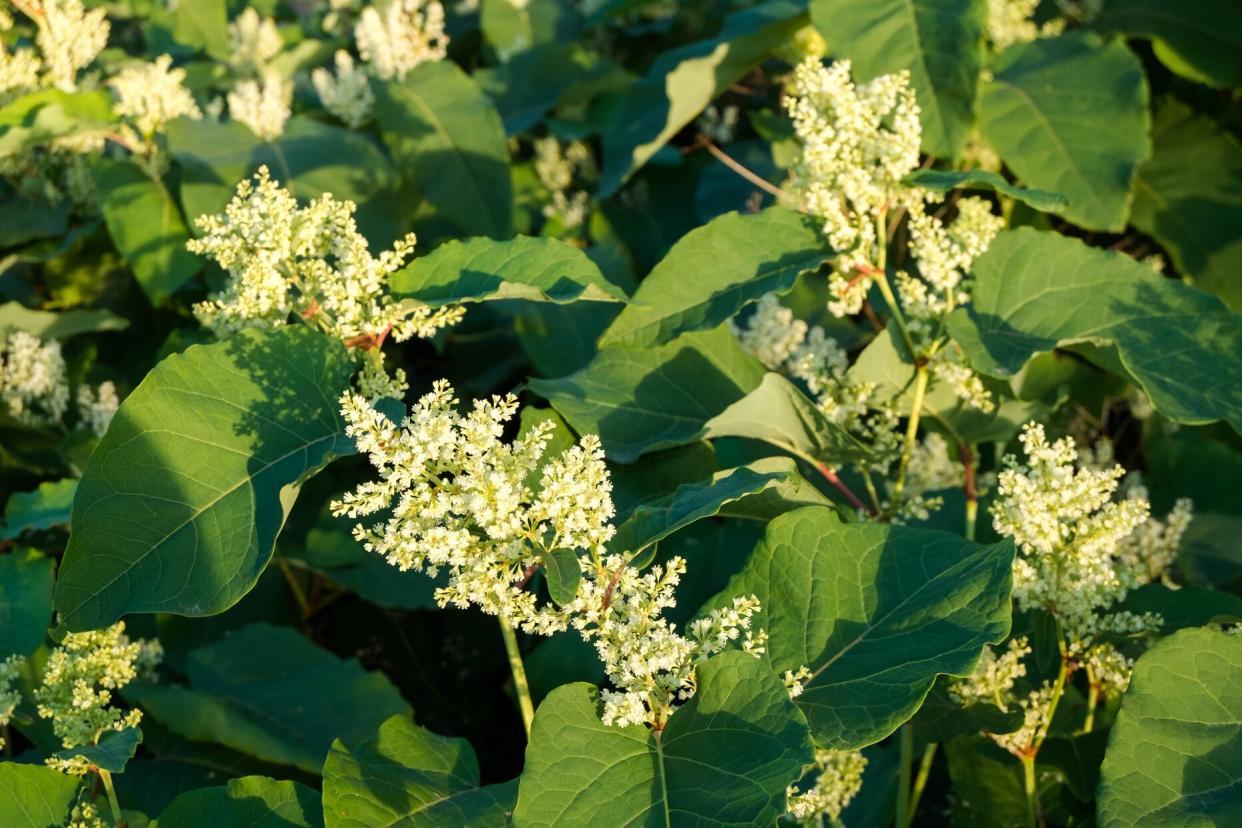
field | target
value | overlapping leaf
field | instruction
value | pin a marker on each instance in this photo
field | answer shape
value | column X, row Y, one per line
column 249, row 802
column 35, row 796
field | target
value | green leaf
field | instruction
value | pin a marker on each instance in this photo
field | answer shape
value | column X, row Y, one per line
column 448, row 141
column 1038, row 291
column 940, row 42
column 640, row 400
column 942, row 181
column 249, row 802
column 511, row 29
column 1185, row 606
column 988, row 780
column 563, row 574
column 35, row 796
column 724, row 758
column 39, row 117
column 1205, row 37
column 760, row 491
column 180, row 504
column 62, row 325
column 875, row 612
column 1069, row 114
column 45, row 507
column 270, row 693
column 941, row 717
column 682, row 82
column 716, row 270
column 29, row 217
column 777, row 412
column 203, row 24
column 1176, row 746
column 478, row 270
column 532, row 82
column 25, row 601
column 1188, row 197
column 115, row 749
column 407, row 776
column 310, row 158
column 145, row 225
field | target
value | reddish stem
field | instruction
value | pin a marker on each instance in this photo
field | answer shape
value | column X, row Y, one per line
column 839, row 485
column 968, row 466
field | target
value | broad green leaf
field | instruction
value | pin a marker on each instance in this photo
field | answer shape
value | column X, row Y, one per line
column 145, row 225
column 777, row 412
column 114, row 750
column 249, row 802
column 407, row 776
column 1038, row 291
column 563, row 574
column 1069, row 114
column 531, row 268
column 1203, row 37
column 203, row 24
column 25, row 218
column 45, row 507
column 25, row 601
column 942, row 181
column 715, row 271
column 448, row 141
column 1189, row 198
column 1185, row 606
column 511, row 28
column 180, row 504
column 940, row 42
column 62, row 325
column 39, row 117
column 760, row 491
column 724, row 758
column 682, row 82
column 532, row 82
column 35, row 796
column 640, row 400
column 659, row 474
column 310, row 158
column 875, row 612
column 270, row 693
column 1176, row 746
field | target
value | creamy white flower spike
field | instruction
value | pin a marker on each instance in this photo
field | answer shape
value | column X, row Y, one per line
column 1011, row 21
column 10, row 697
column 85, row 815
column 558, row 166
column 78, row 684
column 346, row 94
column 19, row 73
column 253, row 40
column 284, row 259
column 263, row 106
column 395, row 38
column 457, row 498
column 152, row 94
column 839, row 777
column 69, row 37
column 1036, row 708
column 993, row 678
column 97, row 407
column 34, row 387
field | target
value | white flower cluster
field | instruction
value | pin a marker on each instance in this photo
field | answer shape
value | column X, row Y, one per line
column 96, row 407
column 993, row 678
column 152, row 94
column 1010, row 22
column 839, row 778
column 347, row 93
column 858, row 143
column 34, row 387
column 930, row 469
column 78, row 682
column 401, row 35
column 456, row 497
column 782, row 342
column 795, row 680
column 10, row 670
column 85, row 815
column 253, row 40
column 1036, row 717
column 69, row 37
column 284, row 259
column 557, row 166
column 719, row 123
column 263, row 106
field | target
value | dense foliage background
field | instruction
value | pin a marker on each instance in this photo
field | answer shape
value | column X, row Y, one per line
column 617, row 194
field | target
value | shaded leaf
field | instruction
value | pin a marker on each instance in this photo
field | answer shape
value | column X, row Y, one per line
column 563, row 574
column 1186, row 606
column 25, row 601
column 1205, row 36
column 59, row 325
column 39, row 117
column 1069, row 114
column 1176, row 745
column 1038, row 291
column 724, row 758
column 45, row 507
column 249, row 802
column 716, row 270
column 114, row 750
column 875, row 612
column 942, row 181
column 180, row 504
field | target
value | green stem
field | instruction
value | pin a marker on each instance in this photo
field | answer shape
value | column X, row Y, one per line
column 912, row 432
column 299, row 594
column 521, row 688
column 920, row 781
column 970, row 488
column 903, row 785
column 1032, row 794
column 1093, row 698
column 118, row 819
column 881, row 281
